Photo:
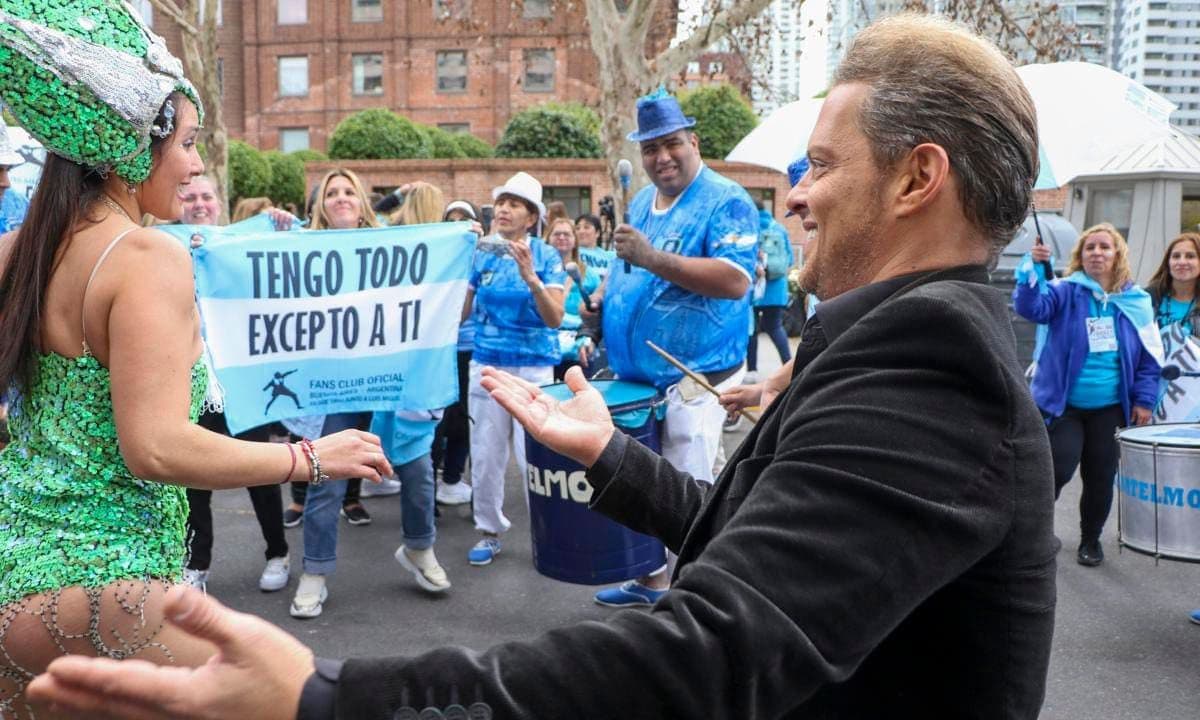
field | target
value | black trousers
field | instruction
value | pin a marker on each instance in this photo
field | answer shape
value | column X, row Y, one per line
column 266, row 499
column 1085, row 439
column 452, row 439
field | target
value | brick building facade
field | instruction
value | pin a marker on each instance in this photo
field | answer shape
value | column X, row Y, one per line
column 292, row 69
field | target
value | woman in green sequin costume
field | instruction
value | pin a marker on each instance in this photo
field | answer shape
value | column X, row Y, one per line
column 102, row 346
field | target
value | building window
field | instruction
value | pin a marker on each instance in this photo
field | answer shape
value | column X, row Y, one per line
column 763, row 197
column 1114, row 206
column 293, row 139
column 366, row 10
column 292, row 12
column 536, row 9
column 368, row 73
column 451, row 71
column 578, row 199
column 146, row 10
column 539, row 70
column 220, row 12
column 293, row 76
column 455, row 127
column 451, row 9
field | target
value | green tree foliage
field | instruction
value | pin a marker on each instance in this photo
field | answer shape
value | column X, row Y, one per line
column 308, row 155
column 472, row 146
column 378, row 134
column 287, row 178
column 249, row 172
column 538, row 132
column 723, row 117
column 443, row 144
column 577, row 110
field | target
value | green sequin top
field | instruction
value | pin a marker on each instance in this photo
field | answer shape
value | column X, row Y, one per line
column 71, row 513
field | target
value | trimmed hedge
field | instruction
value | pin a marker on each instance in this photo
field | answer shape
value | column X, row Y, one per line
column 472, row 146
column 378, row 134
column 287, row 178
column 723, row 118
column 249, row 172
column 541, row 133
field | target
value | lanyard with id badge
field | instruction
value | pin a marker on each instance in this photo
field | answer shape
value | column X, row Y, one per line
column 1102, row 331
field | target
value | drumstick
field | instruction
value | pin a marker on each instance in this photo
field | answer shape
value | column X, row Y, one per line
column 698, row 378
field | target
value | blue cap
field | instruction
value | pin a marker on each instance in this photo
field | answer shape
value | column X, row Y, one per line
column 659, row 114
column 795, row 173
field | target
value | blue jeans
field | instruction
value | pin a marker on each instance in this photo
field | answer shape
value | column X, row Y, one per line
column 416, row 502
column 323, row 502
column 770, row 321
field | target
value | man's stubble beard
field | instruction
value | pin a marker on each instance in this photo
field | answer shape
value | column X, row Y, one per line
column 827, row 277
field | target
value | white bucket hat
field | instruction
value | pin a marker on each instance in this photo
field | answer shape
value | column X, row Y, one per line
column 524, row 186
column 9, row 156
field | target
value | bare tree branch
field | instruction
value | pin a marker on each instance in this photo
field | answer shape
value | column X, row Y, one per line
column 672, row 60
column 176, row 14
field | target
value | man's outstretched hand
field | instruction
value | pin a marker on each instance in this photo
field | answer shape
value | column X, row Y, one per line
column 258, row 672
column 579, row 428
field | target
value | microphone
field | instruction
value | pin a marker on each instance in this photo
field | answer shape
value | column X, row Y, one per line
column 625, row 174
column 573, row 270
column 389, row 202
column 1173, row 372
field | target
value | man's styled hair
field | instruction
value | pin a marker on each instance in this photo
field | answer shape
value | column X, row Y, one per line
column 933, row 81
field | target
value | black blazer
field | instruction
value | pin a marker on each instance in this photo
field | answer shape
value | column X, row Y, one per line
column 880, row 545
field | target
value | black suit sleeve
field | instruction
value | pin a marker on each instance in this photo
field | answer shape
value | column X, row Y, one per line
column 884, row 479
column 644, row 492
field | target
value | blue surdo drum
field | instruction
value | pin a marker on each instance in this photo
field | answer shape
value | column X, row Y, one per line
column 570, row 542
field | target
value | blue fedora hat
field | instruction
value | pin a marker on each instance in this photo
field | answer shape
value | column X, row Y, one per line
column 659, row 114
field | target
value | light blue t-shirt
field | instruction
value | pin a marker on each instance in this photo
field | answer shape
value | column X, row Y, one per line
column 1099, row 382
column 598, row 260
column 508, row 329
column 712, row 218
column 405, row 434
column 1171, row 311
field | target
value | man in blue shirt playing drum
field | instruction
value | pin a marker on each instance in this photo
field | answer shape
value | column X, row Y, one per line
column 690, row 249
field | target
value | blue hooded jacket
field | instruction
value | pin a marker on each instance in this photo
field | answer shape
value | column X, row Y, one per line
column 1064, row 308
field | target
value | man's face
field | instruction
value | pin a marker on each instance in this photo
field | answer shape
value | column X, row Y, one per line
column 839, row 200
column 671, row 161
column 4, row 183
column 200, row 205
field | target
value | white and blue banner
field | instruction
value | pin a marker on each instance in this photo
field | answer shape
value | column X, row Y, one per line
column 1179, row 399
column 317, row 322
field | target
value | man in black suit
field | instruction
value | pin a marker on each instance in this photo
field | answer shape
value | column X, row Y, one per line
column 881, row 544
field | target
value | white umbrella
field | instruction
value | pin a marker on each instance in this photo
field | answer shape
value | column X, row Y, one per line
column 1086, row 114
column 781, row 138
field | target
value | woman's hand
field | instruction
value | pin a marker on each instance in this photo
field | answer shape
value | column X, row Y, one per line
column 1040, row 252
column 476, row 228
column 352, row 454
column 282, row 219
column 1141, row 416
column 524, row 256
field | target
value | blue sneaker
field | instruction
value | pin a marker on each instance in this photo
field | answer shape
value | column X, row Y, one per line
column 1195, row 616
column 484, row 551
column 629, row 594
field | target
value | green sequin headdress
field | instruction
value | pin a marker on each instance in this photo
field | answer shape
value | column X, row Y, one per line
column 87, row 78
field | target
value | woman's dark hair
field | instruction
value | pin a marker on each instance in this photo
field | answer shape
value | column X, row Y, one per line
column 1161, row 281
column 64, row 193
column 590, row 220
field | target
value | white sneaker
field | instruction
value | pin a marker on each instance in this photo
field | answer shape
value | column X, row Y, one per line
column 424, row 567
column 750, row 377
column 458, row 493
column 310, row 598
column 274, row 575
column 387, row 487
column 196, row 578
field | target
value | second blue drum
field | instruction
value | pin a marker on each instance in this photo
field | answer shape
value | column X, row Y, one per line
column 571, row 542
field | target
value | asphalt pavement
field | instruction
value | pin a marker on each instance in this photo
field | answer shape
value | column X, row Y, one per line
column 1123, row 647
